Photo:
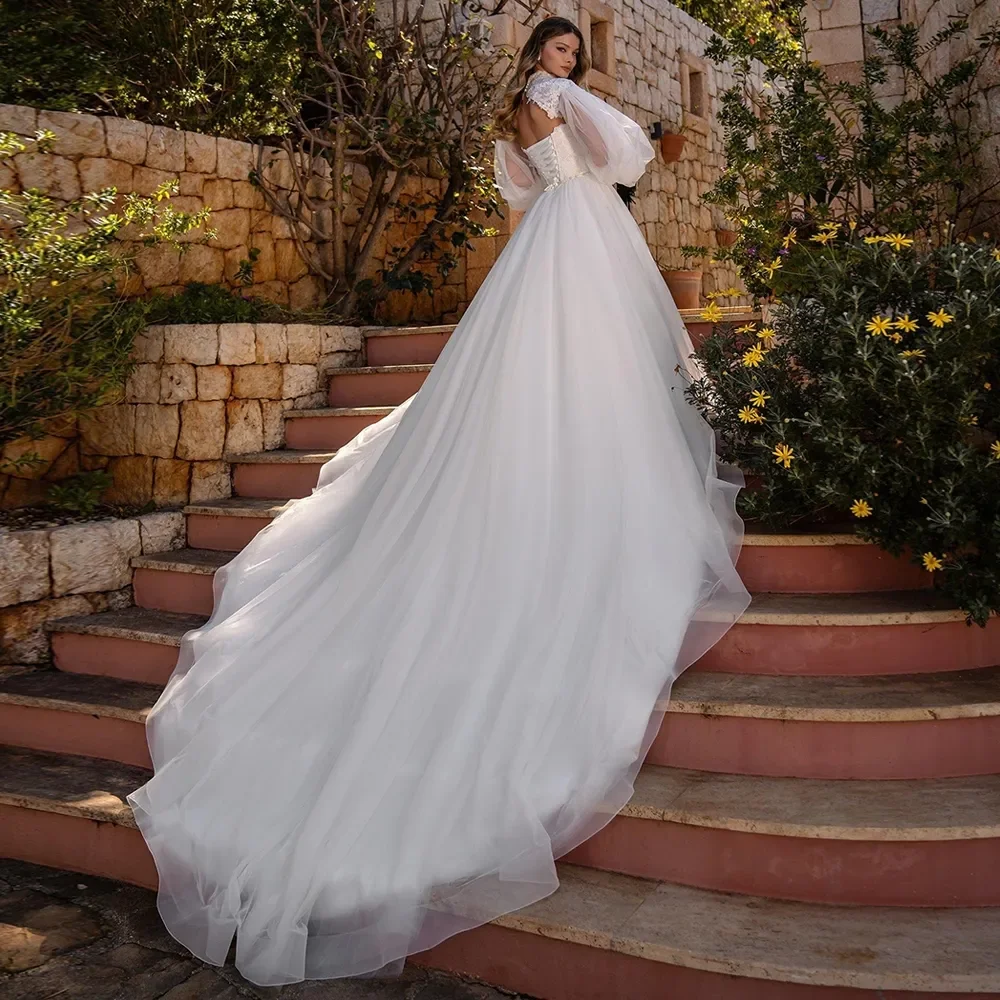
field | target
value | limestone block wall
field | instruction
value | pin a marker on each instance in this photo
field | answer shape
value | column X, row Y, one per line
column 92, row 153
column 837, row 35
column 197, row 394
column 77, row 569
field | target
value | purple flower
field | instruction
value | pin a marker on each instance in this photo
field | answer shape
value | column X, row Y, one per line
column 820, row 158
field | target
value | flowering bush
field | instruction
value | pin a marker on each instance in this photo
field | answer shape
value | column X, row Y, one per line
column 872, row 396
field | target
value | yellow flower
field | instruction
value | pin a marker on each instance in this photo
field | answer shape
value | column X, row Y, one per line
column 898, row 241
column 775, row 265
column 750, row 416
column 711, row 313
column 874, row 239
column 918, row 353
column 824, row 237
column 759, row 398
column 987, row 386
column 996, row 253
column 749, row 328
column 852, row 225
column 940, row 318
column 931, row 562
column 861, row 508
column 895, row 337
column 753, row 356
column 789, row 238
column 905, row 324
column 995, row 449
column 783, row 455
column 878, row 325
column 766, row 335
column 923, row 499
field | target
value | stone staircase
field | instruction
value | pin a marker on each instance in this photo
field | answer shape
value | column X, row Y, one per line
column 819, row 816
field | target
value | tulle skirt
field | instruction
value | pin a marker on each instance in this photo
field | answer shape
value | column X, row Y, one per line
column 442, row 670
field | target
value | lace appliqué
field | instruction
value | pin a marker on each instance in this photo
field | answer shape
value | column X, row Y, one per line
column 544, row 89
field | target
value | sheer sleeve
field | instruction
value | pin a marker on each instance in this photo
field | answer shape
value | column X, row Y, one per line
column 616, row 146
column 517, row 181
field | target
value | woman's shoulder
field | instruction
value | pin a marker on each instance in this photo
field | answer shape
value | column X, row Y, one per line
column 545, row 90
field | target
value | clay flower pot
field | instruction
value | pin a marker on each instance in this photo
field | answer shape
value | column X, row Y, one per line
column 725, row 237
column 685, row 287
column 671, row 146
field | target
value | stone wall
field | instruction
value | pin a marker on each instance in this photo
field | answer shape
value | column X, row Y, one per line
column 837, row 35
column 77, row 569
column 197, row 394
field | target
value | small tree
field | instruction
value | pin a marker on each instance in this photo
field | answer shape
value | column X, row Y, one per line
column 391, row 91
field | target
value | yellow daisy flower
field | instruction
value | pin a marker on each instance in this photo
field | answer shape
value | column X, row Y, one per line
column 898, row 241
column 931, row 562
column 995, row 449
column 918, row 353
column 824, row 237
column 895, row 337
column 753, row 356
column 861, row 508
column 996, row 253
column 852, row 225
column 940, row 318
column 711, row 313
column 759, row 398
column 905, row 323
column 766, row 335
column 783, row 455
column 878, row 325
column 749, row 328
column 987, row 386
column 874, row 239
column 775, row 265
column 789, row 238
column 750, row 416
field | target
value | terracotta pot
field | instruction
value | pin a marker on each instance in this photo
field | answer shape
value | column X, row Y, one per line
column 671, row 146
column 725, row 237
column 685, row 287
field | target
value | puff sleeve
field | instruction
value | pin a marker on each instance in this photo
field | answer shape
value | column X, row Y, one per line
column 516, row 179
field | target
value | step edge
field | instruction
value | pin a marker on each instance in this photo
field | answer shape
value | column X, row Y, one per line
column 340, row 411
column 111, row 808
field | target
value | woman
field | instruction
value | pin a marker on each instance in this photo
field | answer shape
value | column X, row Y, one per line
column 441, row 671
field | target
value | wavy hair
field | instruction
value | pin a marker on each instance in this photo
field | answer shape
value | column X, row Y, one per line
column 504, row 122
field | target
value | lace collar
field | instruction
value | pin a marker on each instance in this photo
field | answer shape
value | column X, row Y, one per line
column 543, row 88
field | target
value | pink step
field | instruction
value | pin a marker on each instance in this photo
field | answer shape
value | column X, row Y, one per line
column 418, row 345
column 384, row 385
column 918, row 726
column 132, row 645
column 228, row 525
column 823, row 563
column 277, row 475
column 853, row 634
column 871, row 843
column 178, row 581
column 331, row 428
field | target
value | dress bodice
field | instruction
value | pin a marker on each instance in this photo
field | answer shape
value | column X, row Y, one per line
column 557, row 157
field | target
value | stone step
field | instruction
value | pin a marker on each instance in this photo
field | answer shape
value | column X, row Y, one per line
column 331, row 427
column 600, row 935
column 902, row 843
column 228, row 525
column 888, row 632
column 823, row 562
column 277, row 475
column 378, row 385
column 874, row 843
column 177, row 581
column 929, row 725
column 894, row 727
column 132, row 645
column 405, row 345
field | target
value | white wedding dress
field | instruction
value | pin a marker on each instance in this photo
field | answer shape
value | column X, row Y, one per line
column 441, row 671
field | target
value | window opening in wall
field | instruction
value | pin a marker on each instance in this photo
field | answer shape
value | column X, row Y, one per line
column 602, row 42
column 696, row 92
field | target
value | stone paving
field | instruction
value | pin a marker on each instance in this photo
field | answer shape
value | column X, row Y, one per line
column 65, row 936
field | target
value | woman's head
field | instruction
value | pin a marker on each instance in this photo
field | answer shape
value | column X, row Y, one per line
column 556, row 46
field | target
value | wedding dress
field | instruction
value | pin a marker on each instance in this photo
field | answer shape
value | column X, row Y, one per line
column 441, row 671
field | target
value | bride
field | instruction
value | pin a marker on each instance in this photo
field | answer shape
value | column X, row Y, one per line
column 442, row 670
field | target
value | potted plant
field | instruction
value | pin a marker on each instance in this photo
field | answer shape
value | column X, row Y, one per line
column 672, row 141
column 685, row 285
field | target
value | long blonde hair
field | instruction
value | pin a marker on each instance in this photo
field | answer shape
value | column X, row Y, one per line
column 504, row 122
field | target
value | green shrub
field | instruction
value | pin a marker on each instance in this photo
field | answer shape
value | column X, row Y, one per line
column 215, row 66
column 66, row 330
column 873, row 396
